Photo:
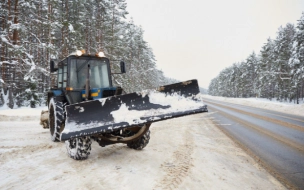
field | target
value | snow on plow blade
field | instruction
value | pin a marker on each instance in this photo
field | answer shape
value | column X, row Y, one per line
column 114, row 113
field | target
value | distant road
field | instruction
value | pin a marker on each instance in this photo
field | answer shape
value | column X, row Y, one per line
column 274, row 139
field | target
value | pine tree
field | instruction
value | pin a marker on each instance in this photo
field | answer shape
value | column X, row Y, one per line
column 282, row 54
column 296, row 61
column 265, row 70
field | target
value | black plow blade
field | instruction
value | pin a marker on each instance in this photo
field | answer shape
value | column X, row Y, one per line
column 114, row 113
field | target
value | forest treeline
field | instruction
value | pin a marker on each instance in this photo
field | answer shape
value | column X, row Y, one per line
column 277, row 71
column 33, row 32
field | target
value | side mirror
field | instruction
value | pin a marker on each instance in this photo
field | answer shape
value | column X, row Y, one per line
column 53, row 67
column 122, row 67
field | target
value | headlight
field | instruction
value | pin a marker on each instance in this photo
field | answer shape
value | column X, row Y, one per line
column 78, row 52
column 100, row 54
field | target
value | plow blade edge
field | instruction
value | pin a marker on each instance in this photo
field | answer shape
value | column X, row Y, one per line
column 135, row 109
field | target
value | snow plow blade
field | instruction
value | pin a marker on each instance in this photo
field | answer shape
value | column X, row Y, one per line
column 135, row 109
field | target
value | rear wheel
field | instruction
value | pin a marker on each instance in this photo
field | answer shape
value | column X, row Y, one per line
column 141, row 142
column 56, row 119
column 79, row 148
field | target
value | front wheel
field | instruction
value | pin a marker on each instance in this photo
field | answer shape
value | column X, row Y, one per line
column 79, row 148
column 56, row 119
column 141, row 142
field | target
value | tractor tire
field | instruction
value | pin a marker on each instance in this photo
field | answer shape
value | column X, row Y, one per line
column 79, row 148
column 56, row 119
column 141, row 142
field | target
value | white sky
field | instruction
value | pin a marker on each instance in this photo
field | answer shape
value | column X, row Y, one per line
column 196, row 39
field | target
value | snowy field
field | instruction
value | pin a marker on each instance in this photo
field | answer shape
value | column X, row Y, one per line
column 183, row 153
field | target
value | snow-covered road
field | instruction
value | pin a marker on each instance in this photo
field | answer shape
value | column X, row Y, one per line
column 183, row 153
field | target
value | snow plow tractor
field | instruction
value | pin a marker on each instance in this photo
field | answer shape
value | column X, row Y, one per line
column 83, row 105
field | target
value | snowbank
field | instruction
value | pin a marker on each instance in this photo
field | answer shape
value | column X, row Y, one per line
column 289, row 108
column 21, row 114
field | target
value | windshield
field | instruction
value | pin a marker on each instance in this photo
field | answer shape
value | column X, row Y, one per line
column 99, row 77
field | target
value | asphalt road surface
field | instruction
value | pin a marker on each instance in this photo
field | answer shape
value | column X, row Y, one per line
column 274, row 139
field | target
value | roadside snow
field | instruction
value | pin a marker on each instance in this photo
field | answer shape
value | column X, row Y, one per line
column 184, row 153
column 289, row 108
column 21, row 114
column 23, row 111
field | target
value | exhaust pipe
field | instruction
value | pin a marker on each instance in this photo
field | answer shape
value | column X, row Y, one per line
column 87, row 89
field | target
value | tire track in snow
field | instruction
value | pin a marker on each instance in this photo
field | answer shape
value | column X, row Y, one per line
column 177, row 169
column 20, row 151
column 19, row 118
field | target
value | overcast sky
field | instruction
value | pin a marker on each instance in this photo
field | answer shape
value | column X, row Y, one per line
column 196, row 39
